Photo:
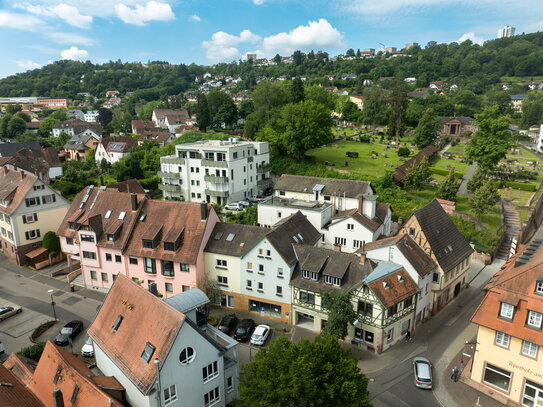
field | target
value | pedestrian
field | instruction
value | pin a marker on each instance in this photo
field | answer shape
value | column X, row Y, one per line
column 408, row 335
column 454, row 375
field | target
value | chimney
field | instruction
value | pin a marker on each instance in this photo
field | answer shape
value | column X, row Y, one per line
column 337, row 247
column 362, row 258
column 134, row 200
column 58, row 400
column 203, row 211
column 153, row 289
column 400, row 223
column 360, row 204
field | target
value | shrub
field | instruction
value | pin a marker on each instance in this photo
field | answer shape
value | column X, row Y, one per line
column 440, row 171
column 33, row 352
column 483, row 240
column 521, row 186
column 51, row 241
column 404, row 152
column 364, row 139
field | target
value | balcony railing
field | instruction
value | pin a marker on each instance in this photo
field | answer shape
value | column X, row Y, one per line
column 264, row 183
column 216, row 179
column 169, row 187
column 210, row 163
column 211, row 192
column 264, row 168
column 164, row 174
column 172, row 160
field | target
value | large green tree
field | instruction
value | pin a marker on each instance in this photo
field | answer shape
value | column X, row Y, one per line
column 476, row 180
column 306, row 374
column 398, row 103
column 491, row 141
column 426, row 131
column 340, row 313
column 484, row 198
column 222, row 109
column 297, row 90
column 203, row 116
column 376, row 110
column 417, row 176
column 449, row 187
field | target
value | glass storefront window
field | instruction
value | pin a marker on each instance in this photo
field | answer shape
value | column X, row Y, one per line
column 269, row 309
column 532, row 395
column 497, row 377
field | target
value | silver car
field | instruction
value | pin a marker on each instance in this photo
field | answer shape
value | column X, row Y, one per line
column 260, row 335
column 423, row 373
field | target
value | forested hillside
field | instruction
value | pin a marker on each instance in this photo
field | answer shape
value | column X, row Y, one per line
column 468, row 65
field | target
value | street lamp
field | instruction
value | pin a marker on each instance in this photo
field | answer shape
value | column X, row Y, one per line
column 52, row 303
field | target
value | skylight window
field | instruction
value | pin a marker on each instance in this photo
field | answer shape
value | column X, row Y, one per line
column 218, row 235
column 230, row 237
column 108, row 214
column 300, row 237
column 117, row 322
column 143, row 217
column 295, row 239
column 122, row 215
column 148, row 352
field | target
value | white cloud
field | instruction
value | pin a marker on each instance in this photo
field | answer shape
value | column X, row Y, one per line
column 19, row 21
column 222, row 46
column 141, row 14
column 27, row 64
column 69, row 38
column 195, row 18
column 472, row 37
column 75, row 54
column 317, row 35
column 68, row 13
column 258, row 2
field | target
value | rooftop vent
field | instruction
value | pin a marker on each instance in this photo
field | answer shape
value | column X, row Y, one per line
column 385, row 284
column 400, row 278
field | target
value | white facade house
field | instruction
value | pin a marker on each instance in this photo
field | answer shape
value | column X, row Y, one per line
column 216, row 171
column 179, row 356
column 274, row 209
column 91, row 116
column 114, row 148
column 506, row 32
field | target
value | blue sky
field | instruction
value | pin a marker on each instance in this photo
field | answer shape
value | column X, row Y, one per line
column 37, row 32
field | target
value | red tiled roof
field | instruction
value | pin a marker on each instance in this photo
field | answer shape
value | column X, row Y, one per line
column 131, row 185
column 394, row 287
column 21, row 367
column 14, row 185
column 146, row 319
column 17, row 394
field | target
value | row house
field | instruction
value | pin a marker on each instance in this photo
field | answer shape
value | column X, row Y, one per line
column 169, row 118
column 507, row 358
column 29, row 209
column 383, row 295
column 402, row 249
column 74, row 127
column 216, row 171
column 252, row 266
column 433, row 230
column 43, row 162
column 156, row 243
column 173, row 360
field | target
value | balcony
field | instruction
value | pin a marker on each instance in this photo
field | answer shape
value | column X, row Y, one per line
column 163, row 174
column 210, row 163
column 172, row 160
column 216, row 179
column 264, row 183
column 169, row 187
column 264, row 168
column 210, row 192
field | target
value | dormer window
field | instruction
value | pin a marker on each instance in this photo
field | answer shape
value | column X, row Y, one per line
column 148, row 244
column 534, row 319
column 332, row 280
column 539, row 286
column 507, row 310
column 310, row 275
column 73, row 225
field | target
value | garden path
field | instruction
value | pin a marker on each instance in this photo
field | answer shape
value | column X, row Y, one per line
column 463, row 190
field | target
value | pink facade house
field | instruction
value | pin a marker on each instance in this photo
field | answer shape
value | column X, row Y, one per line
column 149, row 241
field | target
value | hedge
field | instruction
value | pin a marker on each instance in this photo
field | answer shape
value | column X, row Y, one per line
column 520, row 185
column 440, row 171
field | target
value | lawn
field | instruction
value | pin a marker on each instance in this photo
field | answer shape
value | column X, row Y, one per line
column 518, row 197
column 522, row 159
column 446, row 163
column 364, row 166
column 491, row 220
column 457, row 150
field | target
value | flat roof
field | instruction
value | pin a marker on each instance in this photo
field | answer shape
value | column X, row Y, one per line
column 294, row 203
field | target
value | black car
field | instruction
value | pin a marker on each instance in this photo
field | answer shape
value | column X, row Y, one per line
column 245, row 329
column 228, row 324
column 70, row 331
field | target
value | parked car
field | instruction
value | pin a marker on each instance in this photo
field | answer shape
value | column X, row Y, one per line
column 268, row 191
column 244, row 330
column 70, row 331
column 423, row 372
column 261, row 197
column 233, row 206
column 256, row 199
column 6, row 312
column 245, row 204
column 227, row 324
column 260, row 335
column 88, row 350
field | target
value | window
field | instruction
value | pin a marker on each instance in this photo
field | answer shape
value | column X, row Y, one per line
column 117, row 258
column 105, row 277
column 149, row 265
column 147, row 244
column 280, row 272
column 307, row 298
column 32, row 234
column 167, row 268
column 539, row 287
column 117, row 322
column 249, row 285
column 408, row 302
column 282, row 193
column 261, row 268
column 533, row 392
column 74, row 394
column 185, row 288
column 249, row 266
column 211, row 398
column 357, row 244
column 170, row 395
column 69, row 241
column 108, row 214
column 30, row 218
column 108, row 257
column 412, row 231
column 133, row 260
column 279, row 291
column 332, row 280
column 350, row 226
column 260, row 286
column 184, row 267
column 310, row 275
column 502, row 339
column 392, row 310
column 268, row 253
column 534, row 319
column 210, row 371
column 93, row 275
column 497, row 377
column 260, row 252
column 122, row 215
column 87, row 238
column 169, row 247
column 365, row 308
column 221, row 263
column 390, row 334
column 368, row 336
column 168, row 287
column 89, row 255
column 279, row 214
column 186, row 356
column 529, row 349
column 340, row 241
column 148, row 351
column 435, row 278
column 32, row 201
column 47, row 199
column 235, row 155
column 222, row 280
column 229, row 384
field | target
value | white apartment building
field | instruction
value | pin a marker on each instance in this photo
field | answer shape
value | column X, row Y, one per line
column 506, row 32
column 91, row 116
column 216, row 171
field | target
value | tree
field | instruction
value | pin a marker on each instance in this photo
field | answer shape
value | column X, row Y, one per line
column 491, row 141
column 426, row 131
column 350, row 53
column 484, row 198
column 418, row 175
column 398, row 103
column 46, row 126
column 222, row 109
column 104, row 116
column 247, row 107
column 61, row 140
column 340, row 313
column 202, row 113
column 376, row 110
column 12, row 109
column 320, row 95
column 476, row 180
column 448, row 188
column 277, row 59
column 305, row 374
column 51, row 242
column 297, row 91
column 297, row 57
column 16, row 127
